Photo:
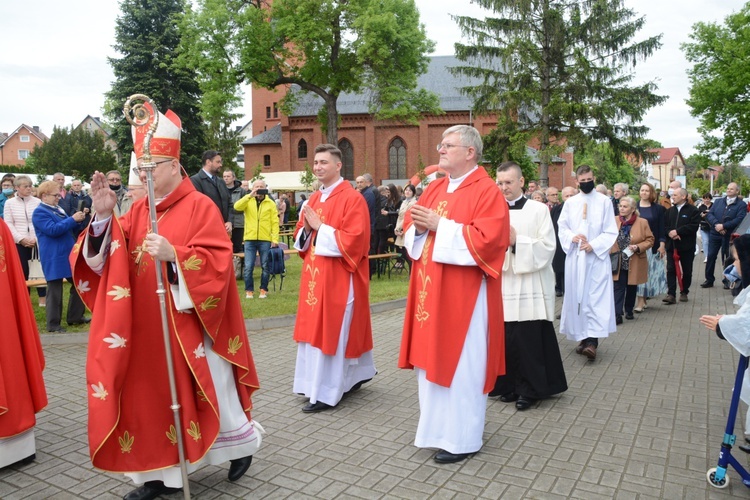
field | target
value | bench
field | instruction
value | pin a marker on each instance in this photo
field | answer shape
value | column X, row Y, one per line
column 383, row 262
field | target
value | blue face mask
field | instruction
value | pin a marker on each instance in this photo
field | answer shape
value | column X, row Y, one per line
column 8, row 192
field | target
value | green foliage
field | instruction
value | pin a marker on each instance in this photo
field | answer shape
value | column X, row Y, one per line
column 148, row 37
column 561, row 69
column 719, row 80
column 508, row 143
column 306, row 178
column 323, row 46
column 257, row 173
column 75, row 152
column 609, row 167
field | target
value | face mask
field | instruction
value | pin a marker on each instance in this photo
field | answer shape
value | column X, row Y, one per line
column 586, row 186
column 8, row 192
column 115, row 187
column 670, row 191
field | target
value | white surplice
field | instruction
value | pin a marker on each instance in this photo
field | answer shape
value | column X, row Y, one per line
column 318, row 376
column 452, row 418
column 528, row 278
column 736, row 329
column 597, row 309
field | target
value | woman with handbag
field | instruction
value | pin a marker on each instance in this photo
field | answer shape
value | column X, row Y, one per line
column 628, row 254
column 17, row 214
column 655, row 215
column 55, row 230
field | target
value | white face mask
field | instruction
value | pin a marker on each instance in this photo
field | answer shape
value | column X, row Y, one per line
column 670, row 191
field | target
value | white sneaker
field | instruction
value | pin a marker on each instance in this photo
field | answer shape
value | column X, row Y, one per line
column 263, row 294
column 248, row 295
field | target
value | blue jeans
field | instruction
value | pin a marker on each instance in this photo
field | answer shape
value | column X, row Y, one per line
column 252, row 247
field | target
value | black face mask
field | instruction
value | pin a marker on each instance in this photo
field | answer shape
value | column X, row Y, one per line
column 586, row 186
column 115, row 187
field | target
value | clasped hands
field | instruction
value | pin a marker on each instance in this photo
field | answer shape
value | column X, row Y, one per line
column 159, row 247
column 583, row 243
column 425, row 219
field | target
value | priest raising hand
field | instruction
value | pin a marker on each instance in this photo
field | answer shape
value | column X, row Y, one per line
column 103, row 198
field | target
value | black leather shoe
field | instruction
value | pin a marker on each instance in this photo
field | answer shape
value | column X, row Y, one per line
column 707, row 284
column 59, row 329
column 558, row 294
column 618, row 320
column 509, row 397
column 726, row 286
column 356, row 386
column 28, row 460
column 315, row 407
column 445, row 457
column 629, row 316
column 524, row 403
column 238, row 467
column 150, row 490
column 84, row 321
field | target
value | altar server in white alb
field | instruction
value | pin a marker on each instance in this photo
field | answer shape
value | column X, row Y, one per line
column 533, row 366
column 587, row 231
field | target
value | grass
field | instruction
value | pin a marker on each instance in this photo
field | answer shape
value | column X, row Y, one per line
column 278, row 303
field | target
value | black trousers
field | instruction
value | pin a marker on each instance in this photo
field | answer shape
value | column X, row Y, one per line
column 54, row 308
column 624, row 294
column 686, row 260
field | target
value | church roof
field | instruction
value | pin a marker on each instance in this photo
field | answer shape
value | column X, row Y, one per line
column 271, row 136
column 438, row 79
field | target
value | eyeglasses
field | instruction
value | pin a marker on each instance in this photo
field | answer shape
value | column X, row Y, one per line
column 448, row 146
column 56, row 195
column 114, row 180
column 138, row 170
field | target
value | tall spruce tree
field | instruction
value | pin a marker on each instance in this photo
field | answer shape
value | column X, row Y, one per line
column 561, row 70
column 148, row 37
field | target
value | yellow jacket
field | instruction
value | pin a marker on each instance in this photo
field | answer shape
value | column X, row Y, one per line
column 261, row 220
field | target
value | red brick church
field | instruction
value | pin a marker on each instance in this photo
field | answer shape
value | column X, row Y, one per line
column 385, row 149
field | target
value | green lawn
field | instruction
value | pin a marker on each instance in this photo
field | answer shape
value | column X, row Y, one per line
column 278, row 303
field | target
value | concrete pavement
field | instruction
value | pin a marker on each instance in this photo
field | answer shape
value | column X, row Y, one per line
column 645, row 420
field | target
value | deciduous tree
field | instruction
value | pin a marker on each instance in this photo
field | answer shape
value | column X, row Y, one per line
column 327, row 47
column 76, row 152
column 719, row 83
column 561, row 69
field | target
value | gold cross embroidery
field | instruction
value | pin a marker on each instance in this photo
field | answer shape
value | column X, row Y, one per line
column 139, row 252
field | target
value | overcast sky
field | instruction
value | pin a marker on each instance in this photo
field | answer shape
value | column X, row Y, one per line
column 54, row 70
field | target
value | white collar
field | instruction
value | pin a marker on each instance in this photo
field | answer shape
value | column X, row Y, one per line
column 513, row 203
column 453, row 184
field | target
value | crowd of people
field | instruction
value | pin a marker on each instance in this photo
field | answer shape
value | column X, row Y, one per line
column 510, row 246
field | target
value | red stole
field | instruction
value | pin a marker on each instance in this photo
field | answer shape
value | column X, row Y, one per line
column 324, row 284
column 131, row 427
column 442, row 297
column 22, row 392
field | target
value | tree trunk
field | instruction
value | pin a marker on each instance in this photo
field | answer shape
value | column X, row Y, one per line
column 332, row 117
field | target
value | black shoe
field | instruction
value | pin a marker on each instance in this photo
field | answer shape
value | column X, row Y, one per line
column 445, row 457
column 629, row 316
column 726, row 286
column 84, row 321
column 509, row 397
column 524, row 403
column 707, row 284
column 356, row 386
column 316, row 407
column 238, row 467
column 28, row 460
column 59, row 329
column 618, row 320
column 558, row 294
column 150, row 490
column 683, row 297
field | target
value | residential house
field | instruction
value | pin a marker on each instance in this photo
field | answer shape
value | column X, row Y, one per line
column 94, row 125
column 664, row 166
column 388, row 150
column 18, row 145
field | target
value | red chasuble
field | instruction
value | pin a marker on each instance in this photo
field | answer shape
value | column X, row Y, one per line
column 324, row 284
column 22, row 392
column 442, row 296
column 131, row 425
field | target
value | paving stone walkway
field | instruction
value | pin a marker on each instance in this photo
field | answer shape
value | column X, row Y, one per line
column 645, row 420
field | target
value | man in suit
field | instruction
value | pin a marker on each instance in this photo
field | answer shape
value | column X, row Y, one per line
column 682, row 223
column 558, row 262
column 723, row 217
column 208, row 182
